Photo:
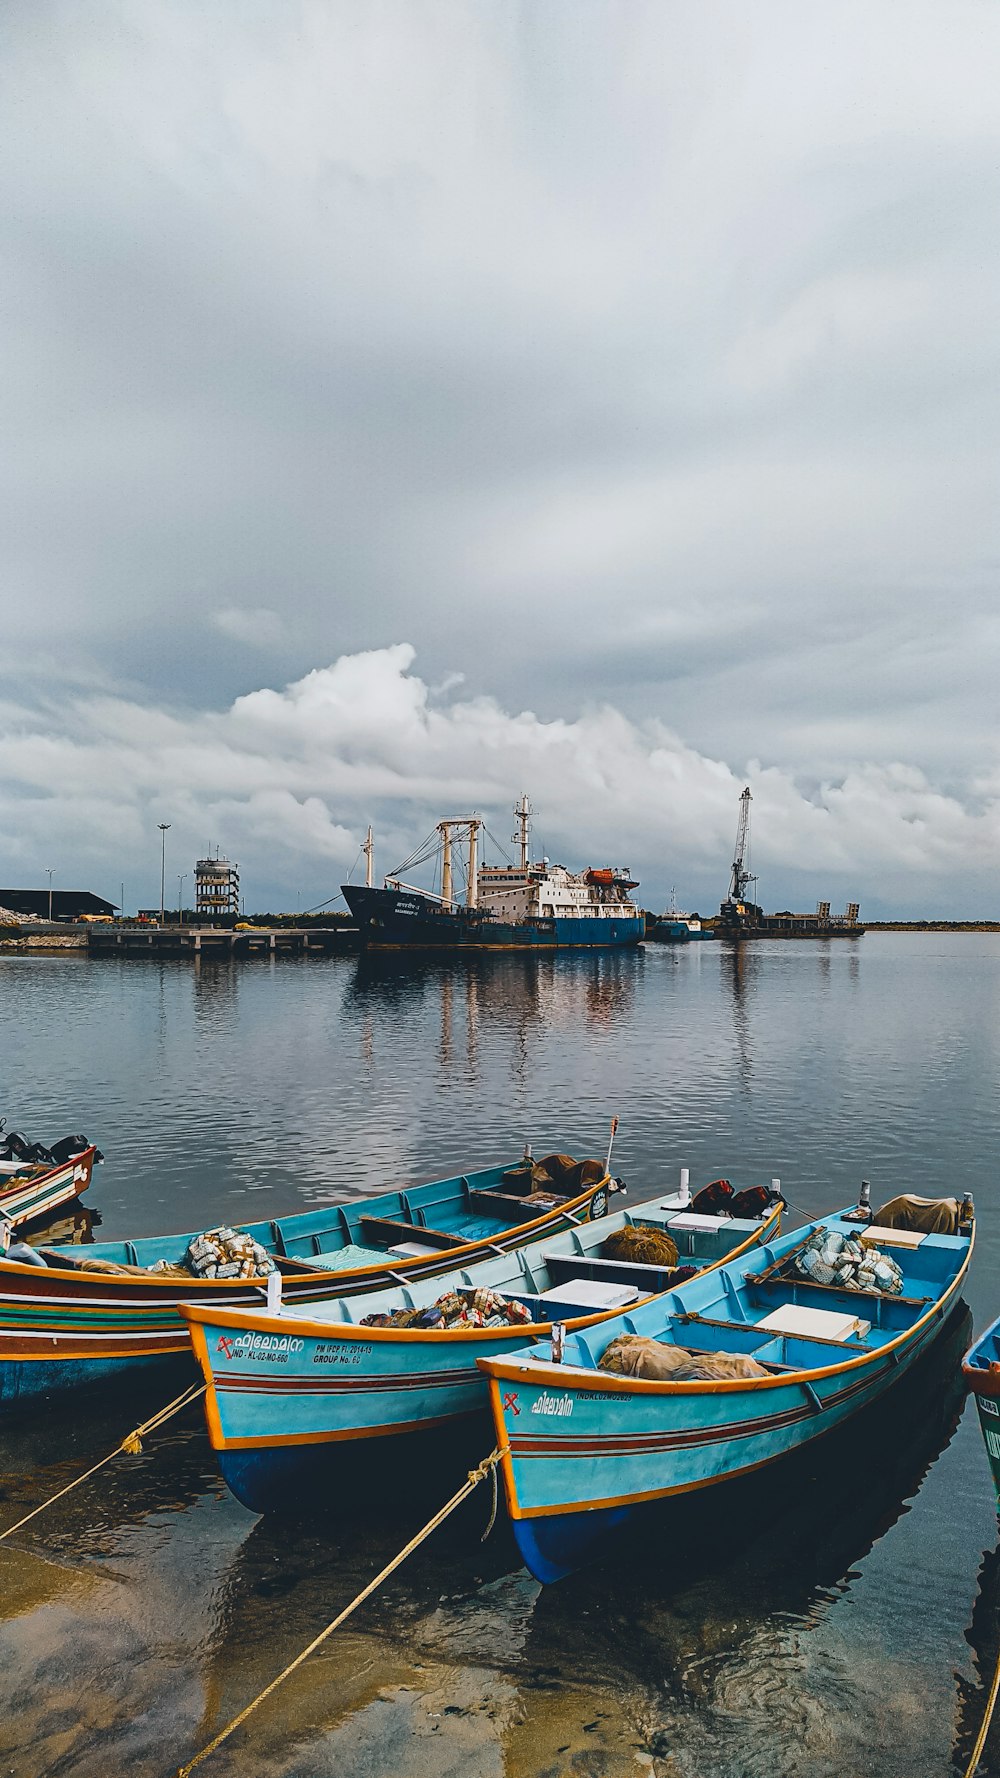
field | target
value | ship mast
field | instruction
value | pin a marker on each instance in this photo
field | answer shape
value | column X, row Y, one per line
column 522, row 814
column 444, row 829
column 472, row 892
column 369, row 851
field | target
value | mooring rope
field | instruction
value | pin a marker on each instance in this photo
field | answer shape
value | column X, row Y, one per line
column 987, row 1719
column 131, row 1444
column 472, row 1481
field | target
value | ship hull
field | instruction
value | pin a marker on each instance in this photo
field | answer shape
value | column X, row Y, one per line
column 397, row 920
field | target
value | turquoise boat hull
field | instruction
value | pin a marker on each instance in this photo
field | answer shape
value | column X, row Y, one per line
column 981, row 1372
column 586, row 1449
column 63, row 1322
column 284, row 1389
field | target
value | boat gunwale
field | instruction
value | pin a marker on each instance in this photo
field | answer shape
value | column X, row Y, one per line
column 390, row 1262
column 260, row 1321
column 976, row 1375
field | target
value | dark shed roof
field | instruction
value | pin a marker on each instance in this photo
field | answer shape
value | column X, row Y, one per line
column 67, row 904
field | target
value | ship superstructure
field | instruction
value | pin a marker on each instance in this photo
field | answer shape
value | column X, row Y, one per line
column 520, row 906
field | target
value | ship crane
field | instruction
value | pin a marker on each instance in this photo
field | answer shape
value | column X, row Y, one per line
column 742, row 877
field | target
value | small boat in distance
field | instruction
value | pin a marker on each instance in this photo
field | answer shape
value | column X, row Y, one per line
column 731, row 1372
column 72, row 1314
column 289, row 1386
column 511, row 907
column 31, row 1190
column 674, row 928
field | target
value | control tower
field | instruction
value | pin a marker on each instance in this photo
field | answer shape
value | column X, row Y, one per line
column 217, row 887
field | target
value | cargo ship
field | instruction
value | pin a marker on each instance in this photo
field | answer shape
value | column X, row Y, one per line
column 512, row 907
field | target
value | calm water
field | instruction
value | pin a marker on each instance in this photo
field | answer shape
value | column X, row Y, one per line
column 837, row 1618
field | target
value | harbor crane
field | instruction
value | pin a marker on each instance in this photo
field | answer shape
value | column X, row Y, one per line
column 742, row 877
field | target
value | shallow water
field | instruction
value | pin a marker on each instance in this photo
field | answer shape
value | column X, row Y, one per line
column 839, row 1616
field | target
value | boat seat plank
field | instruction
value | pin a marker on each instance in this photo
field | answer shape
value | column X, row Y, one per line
column 592, row 1293
column 815, row 1339
column 825, row 1324
column 384, row 1228
column 628, row 1271
column 782, row 1283
column 509, row 1207
column 880, row 1235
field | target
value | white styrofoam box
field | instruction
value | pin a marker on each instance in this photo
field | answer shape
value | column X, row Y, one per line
column 877, row 1236
column 592, row 1293
column 821, row 1324
column 413, row 1249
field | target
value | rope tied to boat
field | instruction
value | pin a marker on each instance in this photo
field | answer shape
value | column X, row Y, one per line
column 475, row 1476
column 987, row 1719
column 131, row 1445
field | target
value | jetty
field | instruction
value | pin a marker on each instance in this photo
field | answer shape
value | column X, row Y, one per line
column 123, row 939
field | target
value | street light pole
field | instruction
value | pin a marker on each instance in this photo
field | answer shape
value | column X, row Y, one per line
column 51, row 874
column 164, row 827
column 180, row 898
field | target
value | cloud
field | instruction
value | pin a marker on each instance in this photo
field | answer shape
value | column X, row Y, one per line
column 287, row 780
column 643, row 353
column 257, row 629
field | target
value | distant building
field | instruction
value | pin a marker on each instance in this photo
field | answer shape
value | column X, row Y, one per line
column 216, row 886
column 67, row 904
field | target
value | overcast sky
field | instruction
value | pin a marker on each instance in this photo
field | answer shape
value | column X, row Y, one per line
column 409, row 403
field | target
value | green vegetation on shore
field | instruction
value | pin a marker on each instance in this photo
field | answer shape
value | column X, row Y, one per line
column 932, row 925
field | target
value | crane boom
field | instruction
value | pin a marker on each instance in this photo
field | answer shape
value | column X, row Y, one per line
column 741, row 857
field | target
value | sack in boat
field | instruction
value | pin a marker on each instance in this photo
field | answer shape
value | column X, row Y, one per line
column 633, row 1355
column 714, row 1200
column 641, row 1246
column 929, row 1216
column 710, row 1367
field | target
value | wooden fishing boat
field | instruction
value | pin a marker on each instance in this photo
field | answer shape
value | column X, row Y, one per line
column 30, row 1191
column 981, row 1371
column 584, row 1448
column 87, row 1312
column 283, row 1387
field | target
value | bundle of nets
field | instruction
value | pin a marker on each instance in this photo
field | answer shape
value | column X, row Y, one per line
column 227, row 1253
column 456, row 1308
column 642, row 1246
column 831, row 1258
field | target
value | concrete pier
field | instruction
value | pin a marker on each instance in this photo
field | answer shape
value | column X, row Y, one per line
column 216, row 941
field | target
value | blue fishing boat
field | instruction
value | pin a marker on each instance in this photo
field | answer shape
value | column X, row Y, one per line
column 981, row 1372
column 718, row 1378
column 70, row 1315
column 284, row 1386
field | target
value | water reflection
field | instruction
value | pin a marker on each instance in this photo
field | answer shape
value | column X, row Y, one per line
column 714, row 1603
column 597, row 987
column 983, row 1636
column 762, row 1640
column 738, row 970
column 216, row 993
